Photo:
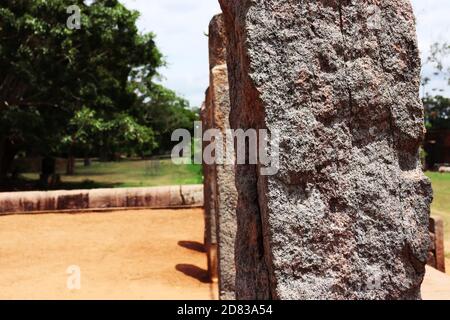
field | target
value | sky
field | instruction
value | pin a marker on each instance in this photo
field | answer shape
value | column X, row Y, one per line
column 180, row 27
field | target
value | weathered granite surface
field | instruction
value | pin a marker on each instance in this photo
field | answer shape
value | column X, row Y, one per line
column 217, row 39
column 209, row 192
column 226, row 194
column 346, row 216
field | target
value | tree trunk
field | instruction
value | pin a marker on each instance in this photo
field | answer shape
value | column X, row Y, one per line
column 87, row 161
column 104, row 149
column 2, row 174
column 70, row 169
column 103, row 156
column 7, row 153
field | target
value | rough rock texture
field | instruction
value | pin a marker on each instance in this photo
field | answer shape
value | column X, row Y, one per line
column 155, row 197
column 436, row 254
column 226, row 195
column 217, row 39
column 209, row 192
column 346, row 216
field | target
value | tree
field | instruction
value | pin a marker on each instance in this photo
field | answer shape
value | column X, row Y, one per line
column 438, row 59
column 52, row 76
column 82, row 128
column 437, row 107
column 439, row 52
column 162, row 110
column 437, row 111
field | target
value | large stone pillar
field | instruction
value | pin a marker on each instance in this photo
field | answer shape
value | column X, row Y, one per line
column 224, row 197
column 346, row 216
column 209, row 193
column 226, row 194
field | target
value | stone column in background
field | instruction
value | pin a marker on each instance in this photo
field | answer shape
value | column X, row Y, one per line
column 346, row 216
column 436, row 254
column 209, row 192
column 226, row 195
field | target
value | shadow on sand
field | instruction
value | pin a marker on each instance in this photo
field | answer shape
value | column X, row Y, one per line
column 194, row 272
column 192, row 245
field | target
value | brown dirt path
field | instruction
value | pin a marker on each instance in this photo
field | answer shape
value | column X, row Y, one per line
column 150, row 254
column 153, row 254
column 436, row 285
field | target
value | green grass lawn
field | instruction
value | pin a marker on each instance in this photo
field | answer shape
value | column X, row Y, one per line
column 441, row 203
column 128, row 173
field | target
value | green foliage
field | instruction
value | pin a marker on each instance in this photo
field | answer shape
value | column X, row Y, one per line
column 441, row 205
column 423, row 157
column 437, row 112
column 86, row 90
column 437, row 107
column 162, row 110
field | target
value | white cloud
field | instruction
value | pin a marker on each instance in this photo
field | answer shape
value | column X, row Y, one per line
column 180, row 26
column 433, row 25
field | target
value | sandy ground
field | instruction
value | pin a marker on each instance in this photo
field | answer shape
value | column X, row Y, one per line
column 436, row 285
column 121, row 255
column 153, row 254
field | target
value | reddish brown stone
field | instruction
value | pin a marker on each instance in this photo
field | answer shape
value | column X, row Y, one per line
column 226, row 193
column 436, row 256
column 156, row 197
column 209, row 191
